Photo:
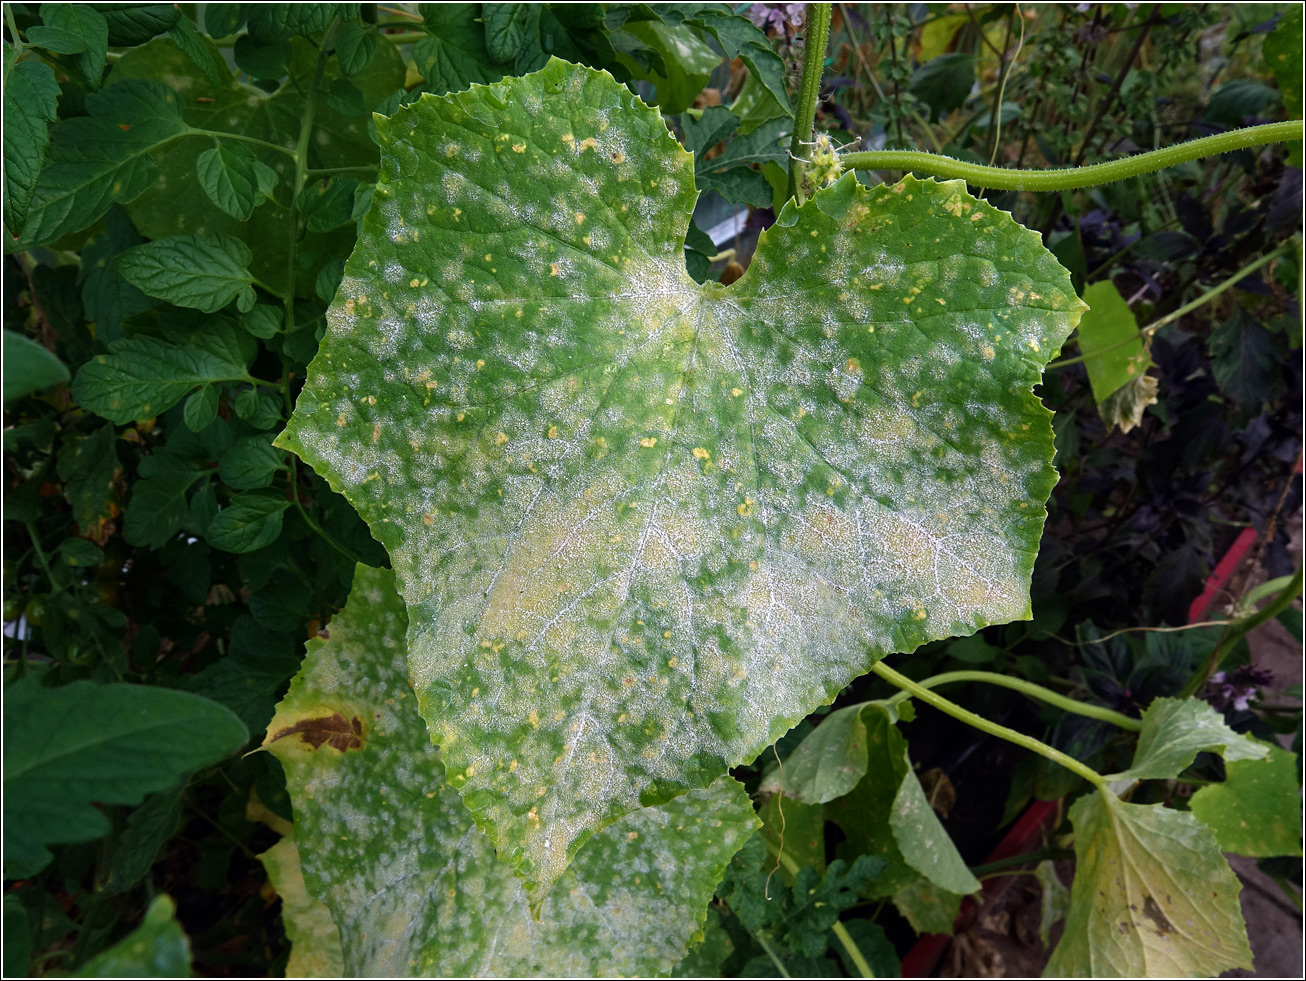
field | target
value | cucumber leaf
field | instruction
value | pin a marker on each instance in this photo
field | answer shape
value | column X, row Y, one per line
column 642, row 525
column 415, row 887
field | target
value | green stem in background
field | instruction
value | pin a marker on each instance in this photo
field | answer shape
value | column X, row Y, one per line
column 216, row 134
column 845, row 938
column 1237, row 630
column 1033, row 691
column 1187, row 308
column 18, row 41
column 917, row 690
column 1004, row 179
column 779, row 964
column 817, row 34
column 41, row 559
column 1016, row 861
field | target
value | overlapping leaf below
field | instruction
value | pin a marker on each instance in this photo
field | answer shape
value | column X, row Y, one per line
column 415, row 888
column 642, row 525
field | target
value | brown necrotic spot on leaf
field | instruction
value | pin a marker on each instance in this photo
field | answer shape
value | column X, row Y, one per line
column 330, row 730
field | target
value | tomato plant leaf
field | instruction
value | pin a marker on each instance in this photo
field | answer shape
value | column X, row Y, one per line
column 143, row 376
column 1152, row 897
column 1257, row 810
column 226, row 172
column 251, row 463
column 28, row 366
column 355, row 47
column 204, row 272
column 31, row 96
column 65, row 748
column 643, row 525
column 250, row 520
column 633, row 900
column 827, row 764
column 75, row 29
column 1175, row 730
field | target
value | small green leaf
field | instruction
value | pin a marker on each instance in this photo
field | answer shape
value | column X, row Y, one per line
column 714, row 125
column 223, row 19
column 65, row 748
column 355, row 47
column 28, row 367
column 262, row 410
column 328, row 205
column 88, row 466
column 135, row 23
column 1114, row 354
column 346, row 98
column 252, row 674
column 1152, row 897
column 226, row 173
column 147, row 829
column 156, row 949
column 202, row 272
column 80, row 552
column 157, row 506
column 264, row 321
column 201, row 408
column 315, row 950
column 1055, row 901
column 279, row 21
column 141, row 377
column 352, row 742
column 75, row 29
column 506, row 29
column 1174, row 731
column 973, row 650
column 251, row 463
column 197, row 48
column 740, row 38
column 249, row 521
column 328, row 280
column 262, row 59
column 827, row 764
column 1257, row 810
column 749, row 494
column 31, row 97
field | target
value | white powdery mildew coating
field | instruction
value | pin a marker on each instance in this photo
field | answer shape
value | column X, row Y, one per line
column 415, row 887
column 643, row 526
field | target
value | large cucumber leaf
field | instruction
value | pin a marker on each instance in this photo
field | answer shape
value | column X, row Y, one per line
column 414, row 886
column 644, row 525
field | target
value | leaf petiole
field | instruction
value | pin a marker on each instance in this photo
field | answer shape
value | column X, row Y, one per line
column 917, row 690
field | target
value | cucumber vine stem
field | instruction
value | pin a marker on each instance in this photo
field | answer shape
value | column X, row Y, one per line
column 1069, row 178
column 917, row 690
column 1030, row 689
column 816, row 35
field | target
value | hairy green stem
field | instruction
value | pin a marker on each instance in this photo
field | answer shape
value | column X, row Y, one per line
column 18, row 41
column 817, row 34
column 1033, row 691
column 917, row 690
column 1187, row 308
column 845, row 938
column 1237, row 630
column 1065, row 179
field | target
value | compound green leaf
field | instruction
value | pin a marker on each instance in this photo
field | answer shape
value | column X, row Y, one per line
column 143, row 376
column 250, row 463
column 136, row 23
column 204, row 272
column 31, row 98
column 197, row 48
column 1152, row 897
column 201, row 407
column 279, row 21
column 65, row 748
column 157, row 506
column 453, row 55
column 355, row 47
column 645, row 525
column 1175, row 730
column 412, row 883
column 1257, row 810
column 158, row 948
